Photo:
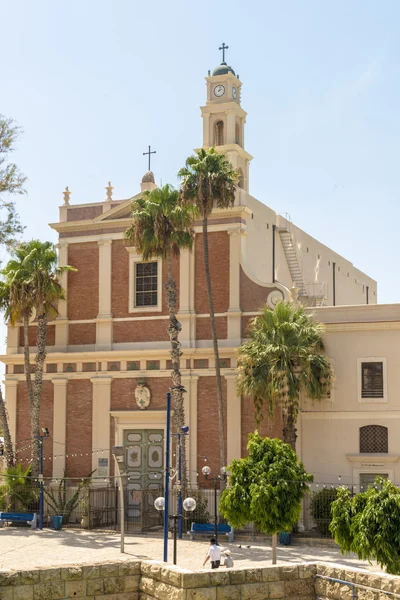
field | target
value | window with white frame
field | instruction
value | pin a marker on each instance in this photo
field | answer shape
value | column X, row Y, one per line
column 372, row 380
column 145, row 285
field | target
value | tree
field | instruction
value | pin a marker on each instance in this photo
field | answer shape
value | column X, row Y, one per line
column 265, row 488
column 284, row 357
column 11, row 182
column 368, row 523
column 162, row 227
column 208, row 181
column 31, row 281
column 5, row 429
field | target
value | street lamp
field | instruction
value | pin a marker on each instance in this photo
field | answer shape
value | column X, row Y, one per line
column 119, row 457
column 222, row 476
column 44, row 434
column 189, row 504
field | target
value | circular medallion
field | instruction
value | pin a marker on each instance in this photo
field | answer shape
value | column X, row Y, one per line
column 273, row 298
column 143, row 396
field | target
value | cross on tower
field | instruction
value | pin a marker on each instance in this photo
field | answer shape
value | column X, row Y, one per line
column 223, row 48
column 149, row 153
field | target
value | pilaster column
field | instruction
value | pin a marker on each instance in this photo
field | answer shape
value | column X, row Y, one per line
column 101, row 420
column 11, row 391
column 104, row 323
column 230, row 127
column 233, row 419
column 61, row 339
column 186, row 313
column 59, row 425
column 12, row 339
column 234, row 312
column 206, row 129
column 190, row 406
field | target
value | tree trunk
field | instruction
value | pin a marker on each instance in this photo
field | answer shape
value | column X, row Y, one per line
column 289, row 429
column 274, row 548
column 27, row 362
column 216, row 352
column 177, row 389
column 37, row 388
column 8, row 447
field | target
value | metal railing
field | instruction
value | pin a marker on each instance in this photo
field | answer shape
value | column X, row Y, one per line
column 353, row 586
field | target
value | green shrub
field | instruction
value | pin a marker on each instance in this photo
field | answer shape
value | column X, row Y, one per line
column 320, row 509
column 18, row 491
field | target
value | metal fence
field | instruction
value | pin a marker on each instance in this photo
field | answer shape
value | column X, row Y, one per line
column 93, row 507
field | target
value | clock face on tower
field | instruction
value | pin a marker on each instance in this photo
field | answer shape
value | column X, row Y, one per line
column 234, row 93
column 219, row 91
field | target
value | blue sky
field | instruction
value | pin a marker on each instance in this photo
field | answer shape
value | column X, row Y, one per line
column 93, row 83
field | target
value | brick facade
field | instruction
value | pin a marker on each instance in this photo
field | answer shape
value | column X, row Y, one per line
column 92, row 345
column 83, row 285
column 218, row 249
column 24, row 425
column 207, row 424
column 79, row 428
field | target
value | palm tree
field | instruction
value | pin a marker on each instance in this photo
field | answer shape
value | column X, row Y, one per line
column 284, row 357
column 31, row 280
column 5, row 430
column 161, row 228
column 208, row 181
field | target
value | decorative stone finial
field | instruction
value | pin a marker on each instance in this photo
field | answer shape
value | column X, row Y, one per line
column 67, row 195
column 109, row 189
column 294, row 293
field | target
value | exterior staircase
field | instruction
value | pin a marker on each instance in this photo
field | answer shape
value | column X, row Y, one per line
column 292, row 261
column 312, row 294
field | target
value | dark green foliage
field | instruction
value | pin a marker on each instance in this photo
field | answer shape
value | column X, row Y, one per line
column 19, row 491
column 283, row 357
column 266, row 487
column 369, row 524
column 59, row 502
column 320, row 508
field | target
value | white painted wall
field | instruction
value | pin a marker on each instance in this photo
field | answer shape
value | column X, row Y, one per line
column 329, row 431
column 315, row 259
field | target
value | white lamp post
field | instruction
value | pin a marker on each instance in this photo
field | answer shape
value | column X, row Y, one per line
column 119, row 455
column 189, row 504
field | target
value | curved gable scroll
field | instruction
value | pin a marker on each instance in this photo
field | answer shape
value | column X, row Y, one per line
column 255, row 293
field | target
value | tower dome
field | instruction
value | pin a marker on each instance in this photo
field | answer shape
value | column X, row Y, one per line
column 223, row 69
column 148, row 177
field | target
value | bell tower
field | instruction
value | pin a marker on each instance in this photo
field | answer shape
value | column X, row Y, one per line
column 224, row 118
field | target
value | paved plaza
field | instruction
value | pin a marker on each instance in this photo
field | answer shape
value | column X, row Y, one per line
column 24, row 549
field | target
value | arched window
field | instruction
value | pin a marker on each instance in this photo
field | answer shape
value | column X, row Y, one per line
column 237, row 133
column 373, row 439
column 219, row 133
column 241, row 179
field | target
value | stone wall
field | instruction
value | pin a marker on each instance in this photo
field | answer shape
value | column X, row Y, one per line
column 331, row 590
column 151, row 580
column 294, row 582
column 106, row 581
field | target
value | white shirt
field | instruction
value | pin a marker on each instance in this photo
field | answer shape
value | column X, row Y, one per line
column 214, row 552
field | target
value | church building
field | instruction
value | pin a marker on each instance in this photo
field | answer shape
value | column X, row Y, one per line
column 108, row 365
